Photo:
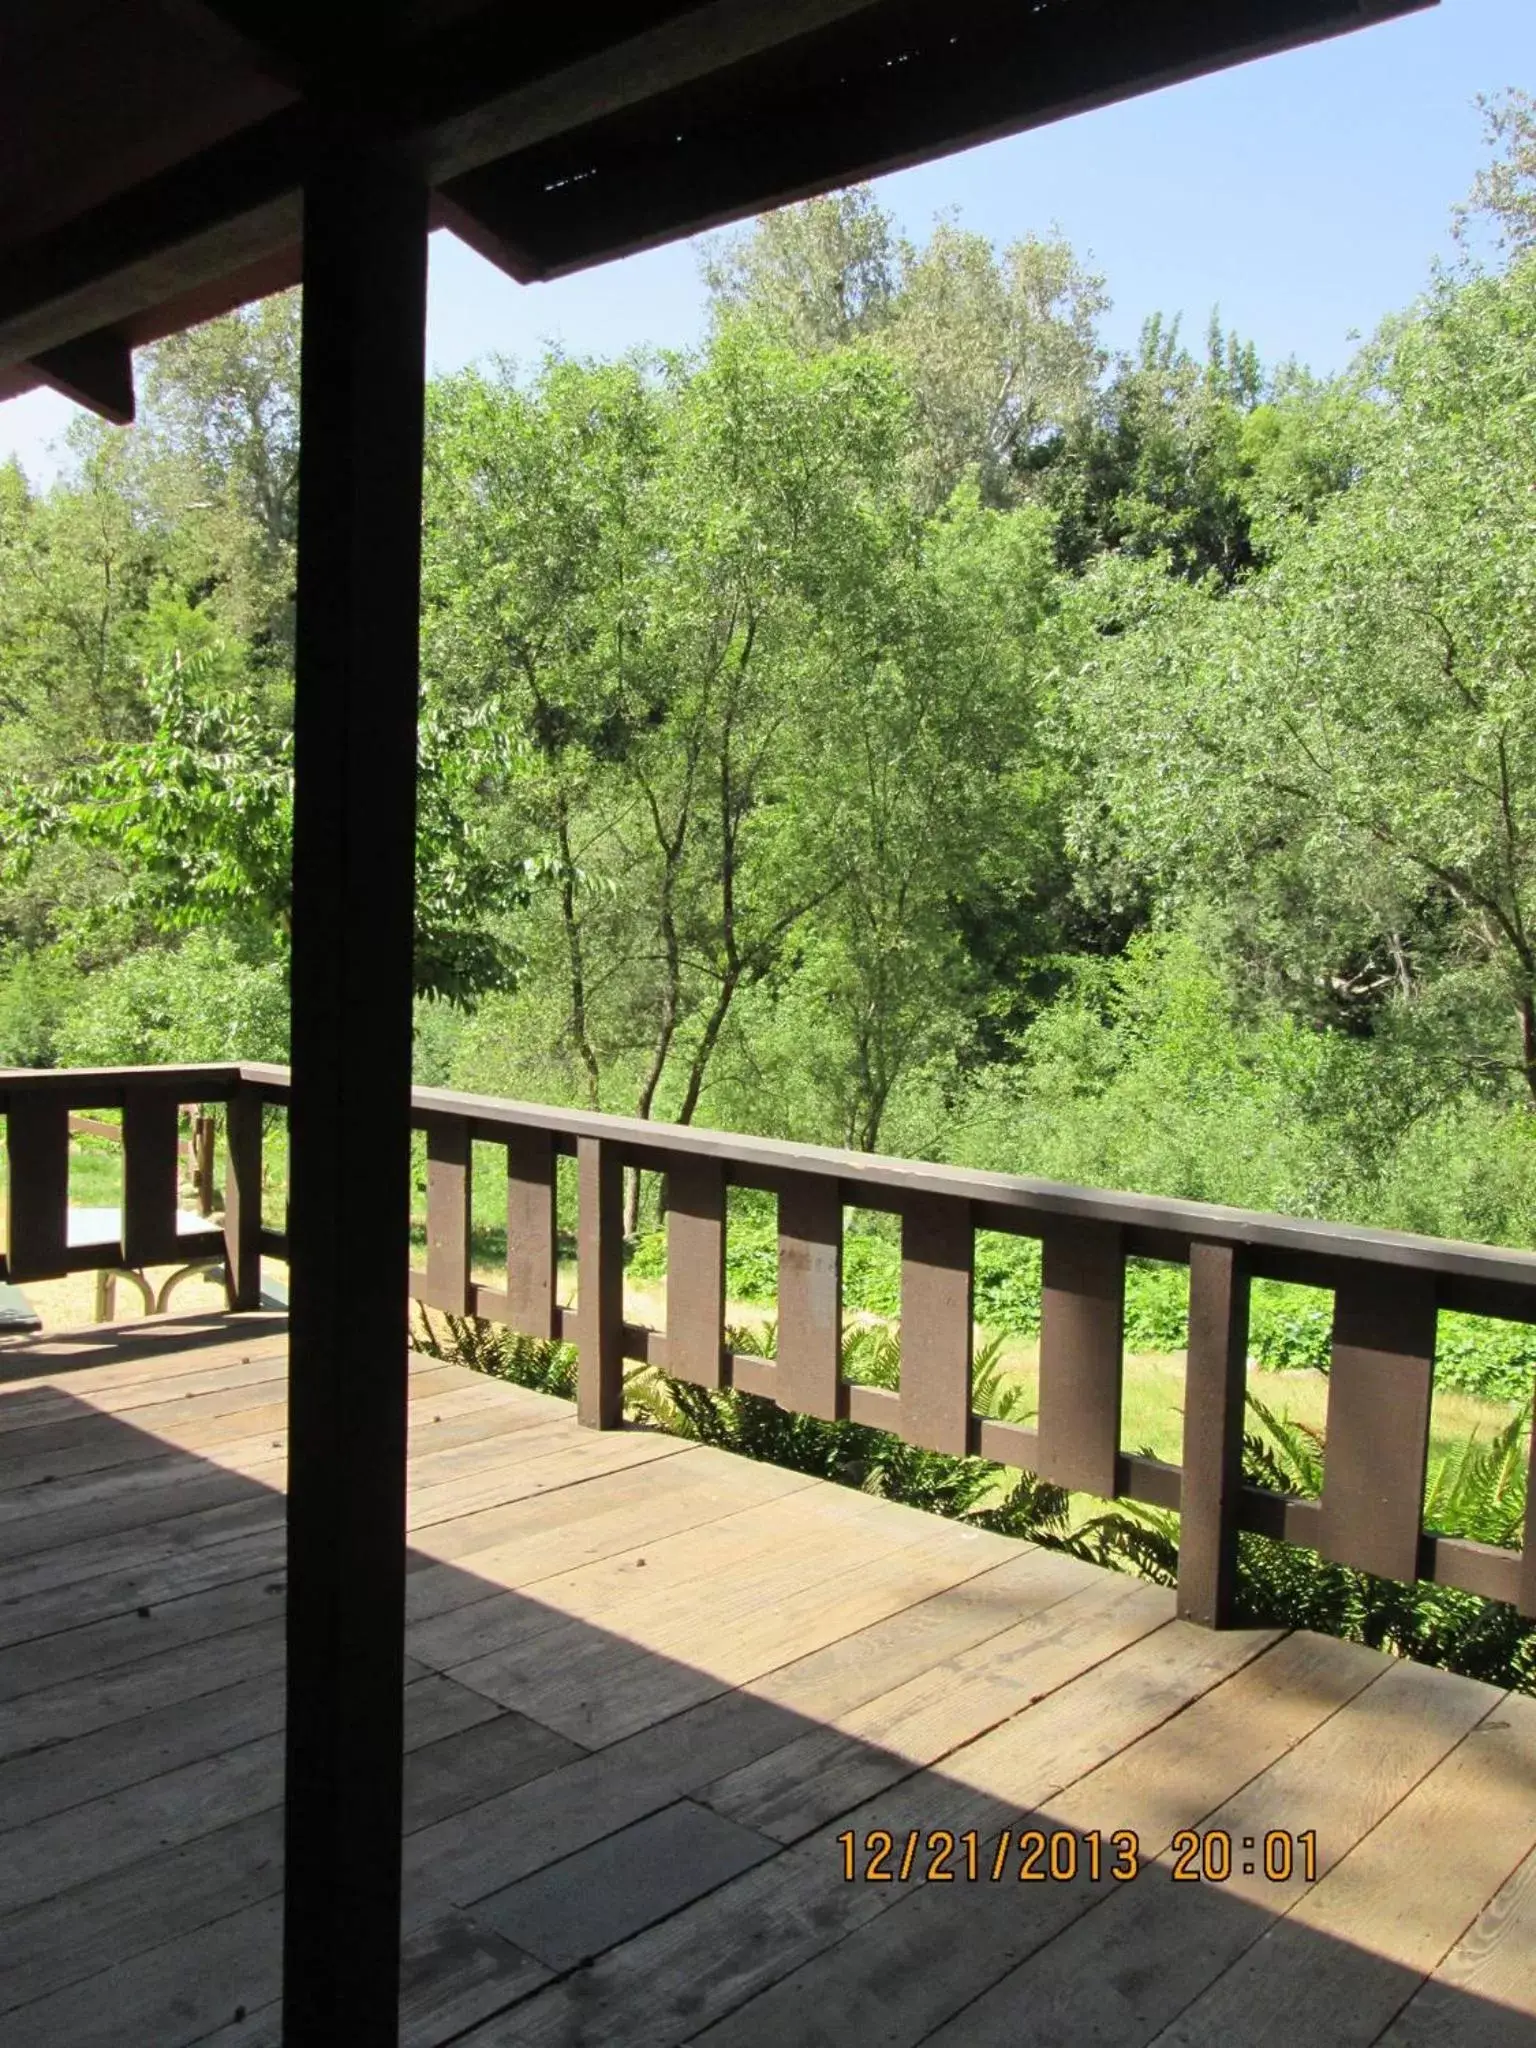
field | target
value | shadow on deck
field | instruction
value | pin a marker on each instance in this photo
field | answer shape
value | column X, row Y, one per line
column 649, row 1686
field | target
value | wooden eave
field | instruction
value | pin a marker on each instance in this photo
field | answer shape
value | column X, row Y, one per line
column 151, row 151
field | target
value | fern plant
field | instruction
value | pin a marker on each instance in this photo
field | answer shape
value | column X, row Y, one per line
column 852, row 1454
column 544, row 1364
column 1477, row 1491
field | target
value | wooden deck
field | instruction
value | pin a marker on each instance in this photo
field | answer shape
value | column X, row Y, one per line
column 649, row 1687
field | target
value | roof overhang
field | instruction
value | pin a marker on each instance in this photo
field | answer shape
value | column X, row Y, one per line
column 153, row 151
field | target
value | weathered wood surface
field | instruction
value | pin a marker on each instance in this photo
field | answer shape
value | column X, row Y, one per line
column 648, row 1685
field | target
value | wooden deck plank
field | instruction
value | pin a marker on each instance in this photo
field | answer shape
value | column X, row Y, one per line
column 170, row 1995
column 940, row 1946
column 601, row 1688
column 630, row 1640
column 22, row 1412
column 1483, row 1994
column 125, row 1753
column 459, row 1748
column 107, row 1835
column 674, row 1980
column 96, row 1699
column 506, row 1837
column 832, row 1769
column 1359, row 1943
column 1127, row 1960
column 96, row 1926
column 109, row 1356
column 556, row 1532
column 254, row 1510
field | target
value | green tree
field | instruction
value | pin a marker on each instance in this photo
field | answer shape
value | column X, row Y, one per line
column 1504, row 191
column 817, row 275
column 999, row 349
column 1161, row 464
column 219, row 444
column 196, row 822
column 1346, row 742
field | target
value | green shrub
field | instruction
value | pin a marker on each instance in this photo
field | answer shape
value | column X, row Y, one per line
column 851, row 1454
column 37, row 991
column 206, row 999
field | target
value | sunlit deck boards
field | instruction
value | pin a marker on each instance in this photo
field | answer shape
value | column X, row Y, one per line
column 649, row 1686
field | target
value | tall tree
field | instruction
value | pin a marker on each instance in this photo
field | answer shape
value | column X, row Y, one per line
column 1347, row 741
column 1000, row 349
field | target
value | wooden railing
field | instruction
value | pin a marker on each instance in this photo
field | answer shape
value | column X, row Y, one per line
column 1388, row 1290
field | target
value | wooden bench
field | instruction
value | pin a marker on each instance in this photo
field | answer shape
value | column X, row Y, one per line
column 18, row 1318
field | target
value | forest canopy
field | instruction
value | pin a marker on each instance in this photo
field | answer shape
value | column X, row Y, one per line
column 898, row 722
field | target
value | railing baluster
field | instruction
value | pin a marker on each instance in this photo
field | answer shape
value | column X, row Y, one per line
column 151, row 1158
column 808, row 1375
column 696, row 1270
column 937, row 1266
column 532, row 1240
column 448, row 1160
column 37, row 1153
column 1215, row 1382
column 1081, row 1355
column 242, row 1200
column 600, row 1285
column 1379, row 1392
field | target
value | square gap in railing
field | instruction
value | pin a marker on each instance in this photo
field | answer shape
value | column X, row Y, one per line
column 488, row 1212
column 1005, row 1376
column 567, row 1219
column 1285, row 1419
column 95, row 1175
column 1155, row 1344
column 645, row 1248
column 751, row 1272
column 274, row 1166
column 871, row 1328
column 1480, row 1428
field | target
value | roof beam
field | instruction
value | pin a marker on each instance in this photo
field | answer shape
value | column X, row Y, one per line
column 483, row 86
column 885, row 87
column 553, row 149
column 95, row 371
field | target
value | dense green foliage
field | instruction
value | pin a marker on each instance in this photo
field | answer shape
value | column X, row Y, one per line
column 895, row 723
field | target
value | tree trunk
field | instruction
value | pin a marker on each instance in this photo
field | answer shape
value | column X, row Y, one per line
column 1527, row 1014
column 573, row 947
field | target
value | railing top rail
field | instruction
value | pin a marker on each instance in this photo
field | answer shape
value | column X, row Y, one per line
column 1156, row 1225
column 96, row 1087
column 1289, row 1247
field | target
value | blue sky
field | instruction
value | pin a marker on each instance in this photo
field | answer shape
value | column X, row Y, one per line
column 1306, row 196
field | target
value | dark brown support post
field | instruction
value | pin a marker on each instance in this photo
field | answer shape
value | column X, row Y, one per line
column 365, row 262
column 600, row 1286
column 1377, row 1445
column 242, row 1199
column 203, row 1130
column 1082, row 1355
column 448, row 1215
column 1215, row 1382
column 808, row 1373
column 937, row 1266
column 532, row 1247
column 151, row 1159
column 37, row 1172
column 696, row 1269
